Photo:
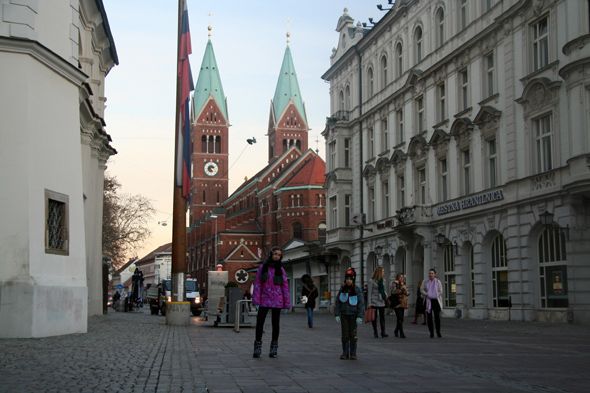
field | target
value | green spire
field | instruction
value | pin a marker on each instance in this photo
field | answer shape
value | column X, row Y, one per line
column 288, row 88
column 209, row 82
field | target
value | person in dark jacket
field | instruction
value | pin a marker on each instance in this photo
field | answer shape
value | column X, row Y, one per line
column 420, row 306
column 310, row 291
column 349, row 310
column 270, row 293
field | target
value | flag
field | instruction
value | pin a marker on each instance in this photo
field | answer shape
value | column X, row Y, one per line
column 183, row 164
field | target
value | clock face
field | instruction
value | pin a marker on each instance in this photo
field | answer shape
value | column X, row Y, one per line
column 211, row 169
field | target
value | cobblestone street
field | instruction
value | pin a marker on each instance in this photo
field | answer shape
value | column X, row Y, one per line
column 137, row 352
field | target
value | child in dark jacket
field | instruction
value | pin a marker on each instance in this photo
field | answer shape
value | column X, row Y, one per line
column 350, row 306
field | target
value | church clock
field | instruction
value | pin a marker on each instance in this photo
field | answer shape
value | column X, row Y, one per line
column 211, row 168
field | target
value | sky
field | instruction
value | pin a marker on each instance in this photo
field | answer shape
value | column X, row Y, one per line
column 249, row 41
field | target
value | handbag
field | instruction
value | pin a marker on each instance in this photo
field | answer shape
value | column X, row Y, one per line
column 387, row 303
column 404, row 303
column 369, row 315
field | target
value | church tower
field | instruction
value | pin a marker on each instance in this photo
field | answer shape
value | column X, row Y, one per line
column 210, row 139
column 288, row 121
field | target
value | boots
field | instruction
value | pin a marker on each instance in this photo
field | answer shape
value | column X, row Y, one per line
column 274, row 346
column 383, row 334
column 353, row 351
column 345, row 349
column 401, row 331
column 424, row 323
column 415, row 321
column 375, row 329
column 257, row 349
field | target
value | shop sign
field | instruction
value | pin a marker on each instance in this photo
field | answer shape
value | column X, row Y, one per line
column 481, row 199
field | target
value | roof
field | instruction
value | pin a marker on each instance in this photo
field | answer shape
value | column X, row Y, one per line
column 312, row 173
column 209, row 83
column 125, row 266
column 288, row 88
column 107, row 31
column 152, row 255
column 248, row 226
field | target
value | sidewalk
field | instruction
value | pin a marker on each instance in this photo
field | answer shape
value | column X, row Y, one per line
column 137, row 352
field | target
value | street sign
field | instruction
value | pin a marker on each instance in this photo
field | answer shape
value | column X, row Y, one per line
column 241, row 276
column 119, row 287
column 356, row 219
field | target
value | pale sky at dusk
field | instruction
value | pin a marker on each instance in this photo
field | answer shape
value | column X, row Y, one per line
column 249, row 40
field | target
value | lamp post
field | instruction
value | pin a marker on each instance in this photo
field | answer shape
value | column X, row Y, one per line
column 215, row 217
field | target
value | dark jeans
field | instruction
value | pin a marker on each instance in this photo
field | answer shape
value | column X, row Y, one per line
column 275, row 320
column 381, row 312
column 348, row 324
column 310, row 317
column 436, row 313
column 399, row 314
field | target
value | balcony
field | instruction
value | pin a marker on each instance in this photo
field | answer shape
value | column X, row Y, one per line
column 341, row 115
column 338, row 235
column 417, row 214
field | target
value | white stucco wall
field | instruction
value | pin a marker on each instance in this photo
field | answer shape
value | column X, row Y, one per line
column 41, row 294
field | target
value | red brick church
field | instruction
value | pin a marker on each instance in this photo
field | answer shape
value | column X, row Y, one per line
column 283, row 204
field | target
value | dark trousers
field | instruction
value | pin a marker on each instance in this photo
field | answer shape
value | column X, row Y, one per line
column 381, row 312
column 435, row 312
column 348, row 325
column 275, row 320
column 399, row 314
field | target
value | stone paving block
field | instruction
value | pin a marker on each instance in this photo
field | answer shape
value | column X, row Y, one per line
column 473, row 356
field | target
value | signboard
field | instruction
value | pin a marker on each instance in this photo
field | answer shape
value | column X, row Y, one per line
column 216, row 282
column 120, row 287
column 466, row 203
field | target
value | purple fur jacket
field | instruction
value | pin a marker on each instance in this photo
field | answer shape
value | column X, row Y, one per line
column 266, row 294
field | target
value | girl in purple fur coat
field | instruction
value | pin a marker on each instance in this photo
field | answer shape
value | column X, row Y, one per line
column 271, row 292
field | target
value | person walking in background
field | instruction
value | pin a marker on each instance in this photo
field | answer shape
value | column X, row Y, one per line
column 310, row 291
column 377, row 298
column 116, row 298
column 271, row 292
column 349, row 310
column 420, row 305
column 247, row 296
column 432, row 291
column 400, row 295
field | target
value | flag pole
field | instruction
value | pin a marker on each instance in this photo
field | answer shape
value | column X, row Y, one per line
column 179, row 202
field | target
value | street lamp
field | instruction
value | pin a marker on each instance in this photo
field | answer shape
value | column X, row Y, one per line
column 547, row 221
column 215, row 217
column 378, row 251
column 440, row 241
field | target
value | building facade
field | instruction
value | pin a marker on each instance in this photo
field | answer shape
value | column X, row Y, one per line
column 458, row 129
column 283, row 204
column 55, row 56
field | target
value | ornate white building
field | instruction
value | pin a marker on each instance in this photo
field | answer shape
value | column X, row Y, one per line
column 54, row 57
column 457, row 127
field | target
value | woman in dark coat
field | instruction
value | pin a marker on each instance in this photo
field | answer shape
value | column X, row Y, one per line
column 310, row 291
column 420, row 306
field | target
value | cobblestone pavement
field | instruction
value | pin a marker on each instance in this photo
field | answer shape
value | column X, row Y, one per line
column 138, row 352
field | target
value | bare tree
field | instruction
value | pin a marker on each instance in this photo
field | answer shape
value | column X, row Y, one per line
column 125, row 222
